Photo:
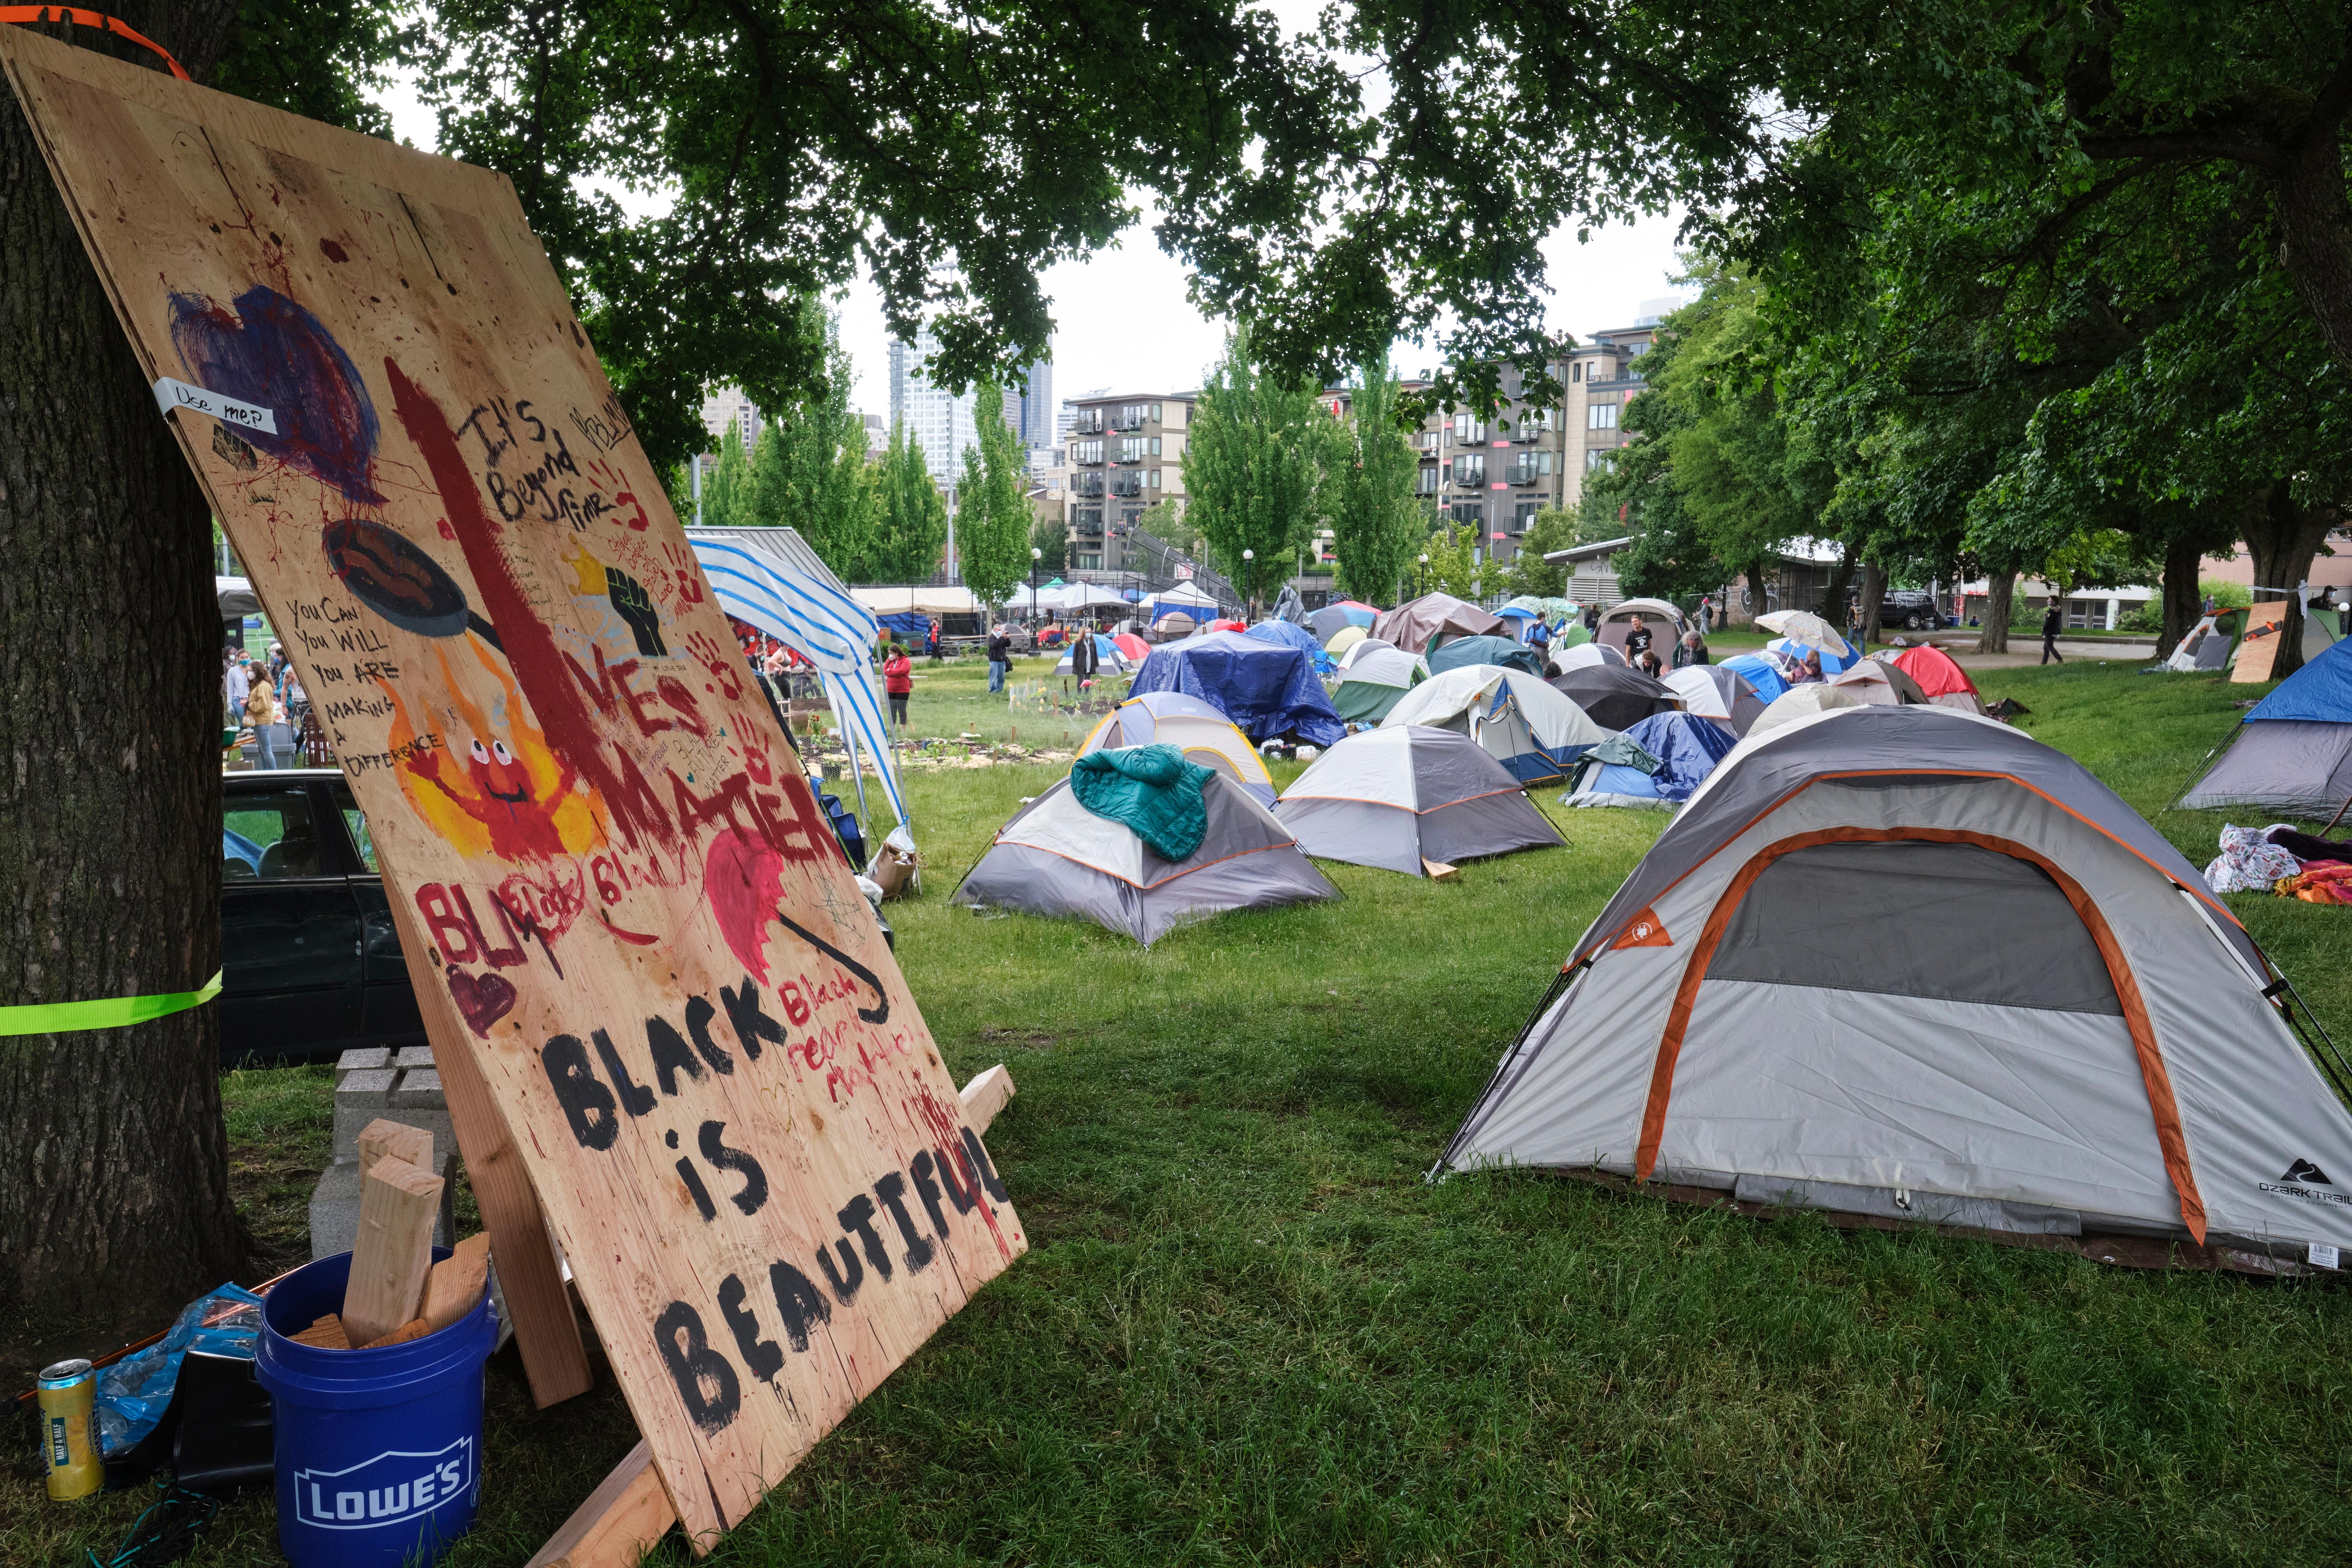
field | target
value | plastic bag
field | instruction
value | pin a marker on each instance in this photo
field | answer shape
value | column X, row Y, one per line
column 2248, row 863
column 897, row 867
column 133, row 1392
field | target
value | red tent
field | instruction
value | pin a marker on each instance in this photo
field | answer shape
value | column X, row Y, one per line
column 1945, row 682
column 1133, row 647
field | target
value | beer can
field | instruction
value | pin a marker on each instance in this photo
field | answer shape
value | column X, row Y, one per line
column 69, row 1397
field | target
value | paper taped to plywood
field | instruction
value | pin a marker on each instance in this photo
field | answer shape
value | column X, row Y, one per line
column 171, row 394
column 595, row 839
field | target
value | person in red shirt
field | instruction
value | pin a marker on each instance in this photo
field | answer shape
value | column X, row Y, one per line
column 898, row 680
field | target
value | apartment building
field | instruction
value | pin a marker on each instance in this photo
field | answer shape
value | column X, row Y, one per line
column 1599, row 378
column 1124, row 453
column 729, row 405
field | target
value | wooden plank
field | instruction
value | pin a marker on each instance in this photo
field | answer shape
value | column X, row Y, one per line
column 415, row 1329
column 393, row 1254
column 456, row 1285
column 985, row 1095
column 624, row 909
column 620, row 1523
column 397, row 1139
column 325, row 1333
column 1438, row 871
column 2258, row 648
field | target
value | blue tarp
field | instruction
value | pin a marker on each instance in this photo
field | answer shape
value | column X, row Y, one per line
column 1687, row 748
column 1266, row 688
column 913, row 625
column 1831, row 663
column 1455, row 652
column 2321, row 691
column 1761, row 673
column 1282, row 634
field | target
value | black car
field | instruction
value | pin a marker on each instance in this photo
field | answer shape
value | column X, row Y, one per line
column 310, row 960
column 1913, row 609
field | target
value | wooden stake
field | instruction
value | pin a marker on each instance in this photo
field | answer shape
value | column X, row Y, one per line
column 2338, row 818
column 986, row 1095
column 618, row 1524
column 398, row 1204
column 1438, row 871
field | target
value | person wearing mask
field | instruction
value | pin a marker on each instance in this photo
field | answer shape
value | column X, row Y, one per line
column 1691, row 649
column 237, row 684
column 1637, row 641
column 898, row 680
column 2054, row 621
column 261, row 714
column 1000, row 656
column 1084, row 658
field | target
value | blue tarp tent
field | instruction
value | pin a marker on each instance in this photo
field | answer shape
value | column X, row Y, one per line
column 1761, row 673
column 1687, row 748
column 1283, row 634
column 1266, row 688
column 2320, row 692
column 912, row 627
column 1455, row 652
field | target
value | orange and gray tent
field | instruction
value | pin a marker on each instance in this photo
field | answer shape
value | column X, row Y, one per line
column 1908, row 963
column 1202, row 732
column 1393, row 798
column 1057, row 859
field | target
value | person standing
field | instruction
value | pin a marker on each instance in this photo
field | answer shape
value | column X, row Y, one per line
column 1706, row 612
column 1593, row 618
column 1000, row 656
column 2054, row 621
column 1691, row 651
column 933, row 643
column 1539, row 636
column 1637, row 640
column 237, row 684
column 1084, row 658
column 898, row 680
column 261, row 715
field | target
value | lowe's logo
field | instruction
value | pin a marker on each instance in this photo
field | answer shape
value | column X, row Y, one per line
column 383, row 1490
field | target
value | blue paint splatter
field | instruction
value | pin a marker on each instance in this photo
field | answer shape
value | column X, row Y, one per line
column 266, row 349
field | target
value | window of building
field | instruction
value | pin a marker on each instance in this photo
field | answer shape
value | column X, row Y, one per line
column 1131, row 449
column 1469, row 430
column 1598, row 461
column 1088, row 485
column 1130, row 515
column 1524, row 514
column 1470, row 511
column 1087, row 519
column 1155, row 416
column 1428, row 485
column 1155, row 479
column 1090, row 423
column 1601, row 416
column 1529, row 466
column 1089, row 561
column 1155, row 442
column 1641, row 348
column 1086, row 451
column 1470, row 468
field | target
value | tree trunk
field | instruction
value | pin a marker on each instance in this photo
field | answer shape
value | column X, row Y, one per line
column 115, row 1203
column 2002, row 587
column 1874, row 592
column 2282, row 537
column 2182, row 603
column 1834, row 596
column 2314, row 220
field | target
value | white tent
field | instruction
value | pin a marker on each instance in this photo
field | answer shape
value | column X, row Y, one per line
column 1525, row 724
column 1803, row 702
column 236, row 597
column 770, row 578
column 1398, row 799
column 1585, row 655
column 917, row 600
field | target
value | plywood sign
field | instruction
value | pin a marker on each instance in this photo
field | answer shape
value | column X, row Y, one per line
column 587, row 818
column 2258, row 648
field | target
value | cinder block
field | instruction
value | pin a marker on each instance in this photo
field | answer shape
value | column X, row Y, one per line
column 361, row 1058
column 419, row 1089
column 413, row 1056
column 335, row 1205
column 366, row 1085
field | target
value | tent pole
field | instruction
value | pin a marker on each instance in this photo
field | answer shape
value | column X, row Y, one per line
column 857, row 773
column 2338, row 818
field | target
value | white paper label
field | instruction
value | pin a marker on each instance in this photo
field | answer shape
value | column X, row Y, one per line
column 2323, row 1257
column 171, row 394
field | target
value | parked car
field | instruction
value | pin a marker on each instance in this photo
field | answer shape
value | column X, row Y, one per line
column 1913, row 609
column 310, row 961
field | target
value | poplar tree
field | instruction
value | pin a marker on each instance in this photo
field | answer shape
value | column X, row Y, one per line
column 1376, row 517
column 1253, row 465
column 992, row 514
column 910, row 515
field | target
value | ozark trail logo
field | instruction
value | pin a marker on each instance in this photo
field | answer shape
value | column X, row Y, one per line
column 1644, row 930
column 2298, row 1181
column 385, row 1490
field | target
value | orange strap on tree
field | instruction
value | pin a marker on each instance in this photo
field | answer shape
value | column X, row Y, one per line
column 98, row 19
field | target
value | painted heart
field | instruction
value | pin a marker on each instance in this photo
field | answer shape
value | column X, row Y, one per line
column 266, row 348
column 743, row 880
column 483, row 1000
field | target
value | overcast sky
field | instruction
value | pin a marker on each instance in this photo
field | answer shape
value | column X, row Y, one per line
column 1122, row 321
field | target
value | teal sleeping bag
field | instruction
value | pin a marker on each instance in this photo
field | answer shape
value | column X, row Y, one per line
column 1152, row 791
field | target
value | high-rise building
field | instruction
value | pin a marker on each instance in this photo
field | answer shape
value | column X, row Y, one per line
column 1035, row 425
column 728, row 406
column 939, row 422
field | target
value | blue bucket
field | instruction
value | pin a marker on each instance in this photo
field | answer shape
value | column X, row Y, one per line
column 379, row 1452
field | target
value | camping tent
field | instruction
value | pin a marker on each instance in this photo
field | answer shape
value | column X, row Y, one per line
column 1203, row 734
column 1686, row 748
column 1664, row 621
column 1057, row 859
column 1112, row 659
column 1455, row 652
column 1799, row 652
column 1363, row 648
column 1616, row 696
column 1183, row 599
column 2075, row 1042
column 2206, row 646
column 1395, row 798
column 1266, row 689
column 1803, row 702
column 1371, row 687
column 1524, row 724
column 1763, row 676
column 1878, row 681
column 1588, row 655
column 1945, row 682
column 2293, row 750
column 1415, row 624
column 1713, row 691
column 770, row 578
column 1284, row 633
column 1338, row 616
column 1345, row 638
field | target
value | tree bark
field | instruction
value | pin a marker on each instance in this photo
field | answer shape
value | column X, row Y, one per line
column 1993, row 635
column 1874, row 592
column 2282, row 537
column 114, row 1202
column 2315, row 222
column 2183, row 604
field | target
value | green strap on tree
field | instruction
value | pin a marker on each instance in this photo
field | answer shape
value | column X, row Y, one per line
column 108, row 1012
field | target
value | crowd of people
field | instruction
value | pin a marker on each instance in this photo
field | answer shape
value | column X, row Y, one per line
column 263, row 702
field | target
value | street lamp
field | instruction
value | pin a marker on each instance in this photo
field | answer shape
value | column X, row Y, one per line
column 1422, row 585
column 1035, row 555
column 1249, row 581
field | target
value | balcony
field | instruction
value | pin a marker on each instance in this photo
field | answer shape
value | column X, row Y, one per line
column 1127, row 485
column 1090, row 423
column 1086, row 486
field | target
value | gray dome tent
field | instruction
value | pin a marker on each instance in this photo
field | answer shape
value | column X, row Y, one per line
column 1057, row 859
column 1397, row 797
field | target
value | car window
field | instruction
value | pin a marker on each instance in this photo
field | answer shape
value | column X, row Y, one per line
column 269, row 835
column 355, row 823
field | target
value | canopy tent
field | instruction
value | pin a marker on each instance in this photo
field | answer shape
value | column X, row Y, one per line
column 1524, row 724
column 1764, row 677
column 1715, row 692
column 922, row 598
column 1371, row 686
column 1183, row 599
column 1398, row 798
column 1415, row 624
column 2078, row 1043
column 1454, row 653
column 1588, row 655
column 1110, row 658
column 1945, row 682
column 770, row 578
column 1616, row 696
column 2292, row 754
column 236, row 597
column 1057, row 859
column 1266, row 689
column 1686, row 749
column 1203, row 734
column 1878, row 681
column 1803, row 702
column 1345, row 638
column 1338, row 616
column 1285, row 634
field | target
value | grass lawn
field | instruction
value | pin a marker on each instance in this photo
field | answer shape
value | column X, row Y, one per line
column 1249, row 1333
